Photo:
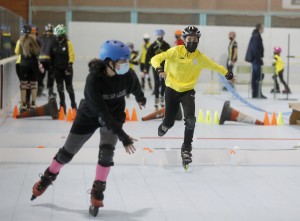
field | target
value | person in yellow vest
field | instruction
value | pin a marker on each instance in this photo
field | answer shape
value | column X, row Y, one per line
column 183, row 65
column 133, row 56
column 232, row 54
column 28, row 49
column 279, row 68
column 144, row 74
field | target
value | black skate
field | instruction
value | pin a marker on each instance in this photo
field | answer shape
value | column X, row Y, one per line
column 162, row 129
column 40, row 187
column 97, row 197
column 186, row 159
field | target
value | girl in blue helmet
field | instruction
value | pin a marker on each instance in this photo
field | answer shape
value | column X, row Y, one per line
column 103, row 106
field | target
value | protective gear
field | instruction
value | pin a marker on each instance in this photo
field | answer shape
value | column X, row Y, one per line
column 106, row 155
column 159, row 32
column 63, row 156
column 34, row 30
column 60, row 30
column 191, row 31
column 190, row 123
column 178, row 32
column 191, row 46
column 124, row 68
column 26, row 29
column 277, row 50
column 229, row 75
column 49, row 28
column 146, row 36
column 114, row 50
column 69, row 69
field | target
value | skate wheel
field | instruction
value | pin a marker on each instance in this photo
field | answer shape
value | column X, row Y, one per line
column 185, row 166
column 93, row 210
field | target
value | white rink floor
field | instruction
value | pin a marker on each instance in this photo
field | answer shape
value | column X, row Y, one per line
column 260, row 182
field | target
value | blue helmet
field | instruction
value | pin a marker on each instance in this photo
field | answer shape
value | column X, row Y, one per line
column 115, row 50
column 159, row 32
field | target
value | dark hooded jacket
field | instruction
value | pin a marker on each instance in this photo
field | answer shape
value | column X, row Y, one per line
column 255, row 51
column 104, row 97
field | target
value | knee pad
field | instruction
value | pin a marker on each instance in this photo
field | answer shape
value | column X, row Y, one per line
column 24, row 85
column 70, row 89
column 60, row 87
column 190, row 123
column 33, row 85
column 106, row 155
column 63, row 156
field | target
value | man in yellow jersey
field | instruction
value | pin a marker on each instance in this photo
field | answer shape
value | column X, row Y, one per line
column 145, row 74
column 183, row 65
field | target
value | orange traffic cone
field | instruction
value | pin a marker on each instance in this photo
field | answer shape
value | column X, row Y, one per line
column 266, row 120
column 74, row 114
column 70, row 115
column 274, row 121
column 127, row 114
column 134, row 116
column 16, row 112
column 61, row 114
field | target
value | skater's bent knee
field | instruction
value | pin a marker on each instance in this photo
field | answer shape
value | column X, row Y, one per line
column 190, row 123
column 63, row 156
column 106, row 155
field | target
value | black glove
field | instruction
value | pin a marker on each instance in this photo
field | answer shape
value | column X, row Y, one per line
column 143, row 101
column 229, row 75
column 69, row 69
column 126, row 140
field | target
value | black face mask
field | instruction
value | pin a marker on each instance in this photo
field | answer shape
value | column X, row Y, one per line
column 146, row 40
column 160, row 39
column 230, row 39
column 191, row 46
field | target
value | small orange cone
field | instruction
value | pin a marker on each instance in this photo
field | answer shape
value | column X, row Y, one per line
column 61, row 114
column 70, row 115
column 134, row 116
column 266, row 120
column 16, row 112
column 74, row 112
column 127, row 114
column 41, row 146
column 274, row 121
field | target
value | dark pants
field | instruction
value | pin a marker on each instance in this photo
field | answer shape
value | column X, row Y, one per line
column 280, row 75
column 256, row 80
column 61, row 78
column 159, row 84
column 50, row 75
column 187, row 100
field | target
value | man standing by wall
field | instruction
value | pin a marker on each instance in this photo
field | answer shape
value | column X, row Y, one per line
column 254, row 55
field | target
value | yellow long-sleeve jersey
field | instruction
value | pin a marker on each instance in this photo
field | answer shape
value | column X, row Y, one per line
column 144, row 52
column 278, row 64
column 183, row 68
column 18, row 52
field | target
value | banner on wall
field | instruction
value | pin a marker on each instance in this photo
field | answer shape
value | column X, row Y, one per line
column 291, row 4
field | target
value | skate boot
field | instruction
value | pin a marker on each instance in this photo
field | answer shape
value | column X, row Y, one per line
column 162, row 129
column 33, row 105
column 40, row 187
column 74, row 105
column 276, row 91
column 286, row 91
column 97, row 197
column 186, row 156
column 23, row 108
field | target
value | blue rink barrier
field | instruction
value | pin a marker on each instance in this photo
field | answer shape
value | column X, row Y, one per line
column 240, row 98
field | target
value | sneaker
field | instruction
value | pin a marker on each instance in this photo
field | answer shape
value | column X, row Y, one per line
column 162, row 129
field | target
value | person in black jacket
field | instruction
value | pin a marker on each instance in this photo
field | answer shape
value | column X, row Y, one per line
column 62, row 58
column 155, row 48
column 106, row 86
column 254, row 55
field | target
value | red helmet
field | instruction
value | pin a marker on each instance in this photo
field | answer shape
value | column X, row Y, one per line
column 277, row 50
